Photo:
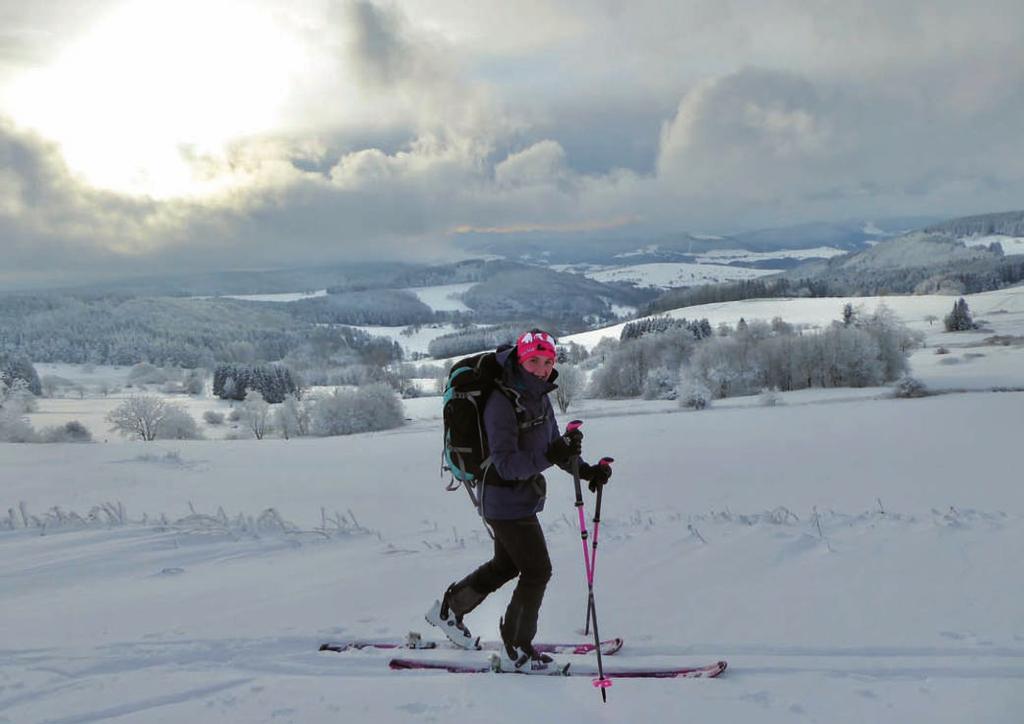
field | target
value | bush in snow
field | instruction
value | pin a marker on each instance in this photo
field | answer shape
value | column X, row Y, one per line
column 212, row 417
column 292, row 418
column 693, row 393
column 660, row 385
column 626, row 366
column 18, row 395
column 146, row 374
column 14, row 427
column 770, row 397
column 909, row 387
column 72, row 431
column 177, row 424
column 346, row 412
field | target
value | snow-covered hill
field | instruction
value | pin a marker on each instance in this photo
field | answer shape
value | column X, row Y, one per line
column 851, row 555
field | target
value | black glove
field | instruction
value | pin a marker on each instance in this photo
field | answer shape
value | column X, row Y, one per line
column 565, row 448
column 596, row 475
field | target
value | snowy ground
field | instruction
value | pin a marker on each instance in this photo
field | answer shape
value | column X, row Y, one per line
column 854, row 558
column 1010, row 244
column 667, row 275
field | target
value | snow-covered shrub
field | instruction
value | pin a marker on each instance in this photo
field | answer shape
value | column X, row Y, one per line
column 941, row 350
column 660, row 385
column 72, row 431
column 292, row 418
column 146, row 374
column 346, row 412
column 177, row 424
column 212, row 417
column 235, row 415
column 625, row 369
column 18, row 395
column 909, row 387
column 769, row 397
column 693, row 393
column 194, row 382
column 14, row 427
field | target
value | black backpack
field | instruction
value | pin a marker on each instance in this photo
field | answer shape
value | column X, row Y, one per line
column 470, row 382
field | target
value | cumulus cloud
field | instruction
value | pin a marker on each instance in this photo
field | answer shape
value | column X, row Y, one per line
column 703, row 115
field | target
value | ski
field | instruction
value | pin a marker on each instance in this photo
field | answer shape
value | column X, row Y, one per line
column 709, row 671
column 416, row 642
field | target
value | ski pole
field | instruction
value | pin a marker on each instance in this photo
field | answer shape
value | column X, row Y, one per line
column 593, row 550
column 601, row 681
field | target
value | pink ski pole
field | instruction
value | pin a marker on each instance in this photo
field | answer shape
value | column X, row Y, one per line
column 597, row 525
column 601, row 682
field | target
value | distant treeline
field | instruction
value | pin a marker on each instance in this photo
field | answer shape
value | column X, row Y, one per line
column 116, row 330
column 1009, row 223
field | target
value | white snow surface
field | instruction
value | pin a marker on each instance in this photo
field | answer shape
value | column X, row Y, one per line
column 742, row 256
column 854, row 557
column 444, row 298
column 667, row 275
column 1010, row 244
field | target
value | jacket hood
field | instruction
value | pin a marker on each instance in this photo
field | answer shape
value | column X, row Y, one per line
column 517, row 378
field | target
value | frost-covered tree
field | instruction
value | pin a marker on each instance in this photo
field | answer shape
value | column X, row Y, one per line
column 661, row 384
column 959, row 320
column 292, row 418
column 693, row 393
column 195, row 382
column 178, row 424
column 139, row 415
column 345, row 412
column 571, row 383
column 18, row 367
column 20, row 396
column 256, row 413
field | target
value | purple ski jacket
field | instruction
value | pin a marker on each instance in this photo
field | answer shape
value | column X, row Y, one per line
column 518, row 452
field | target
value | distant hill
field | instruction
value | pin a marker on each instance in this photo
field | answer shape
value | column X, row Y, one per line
column 1008, row 223
column 642, row 245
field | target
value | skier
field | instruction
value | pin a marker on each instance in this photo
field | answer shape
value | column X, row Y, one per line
column 511, row 494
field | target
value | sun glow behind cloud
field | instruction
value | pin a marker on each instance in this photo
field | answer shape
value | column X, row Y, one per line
column 155, row 84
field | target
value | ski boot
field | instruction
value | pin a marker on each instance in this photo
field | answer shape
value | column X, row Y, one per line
column 451, row 625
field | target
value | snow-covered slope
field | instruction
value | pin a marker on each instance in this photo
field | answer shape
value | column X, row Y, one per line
column 852, row 556
column 668, row 275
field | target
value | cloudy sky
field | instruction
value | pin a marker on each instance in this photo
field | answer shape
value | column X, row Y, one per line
column 143, row 135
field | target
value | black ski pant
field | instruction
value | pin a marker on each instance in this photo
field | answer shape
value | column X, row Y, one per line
column 519, row 550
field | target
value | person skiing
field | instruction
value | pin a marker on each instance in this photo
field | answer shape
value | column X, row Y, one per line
column 513, row 490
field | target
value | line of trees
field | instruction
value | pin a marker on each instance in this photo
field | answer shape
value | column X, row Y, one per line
column 273, row 382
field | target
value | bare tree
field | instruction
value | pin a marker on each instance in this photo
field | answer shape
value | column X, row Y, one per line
column 571, row 382
column 139, row 415
column 256, row 413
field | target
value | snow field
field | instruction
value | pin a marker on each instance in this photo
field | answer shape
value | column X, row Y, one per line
column 851, row 556
column 899, row 608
